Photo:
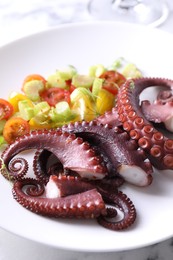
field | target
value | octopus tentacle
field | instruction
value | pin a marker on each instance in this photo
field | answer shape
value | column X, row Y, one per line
column 110, row 117
column 17, row 167
column 88, row 204
column 72, row 151
column 120, row 153
column 158, row 146
column 122, row 202
column 45, row 164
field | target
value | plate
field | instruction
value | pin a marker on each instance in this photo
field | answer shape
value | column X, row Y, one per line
column 83, row 45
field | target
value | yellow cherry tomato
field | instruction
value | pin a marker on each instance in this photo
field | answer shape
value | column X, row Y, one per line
column 104, row 101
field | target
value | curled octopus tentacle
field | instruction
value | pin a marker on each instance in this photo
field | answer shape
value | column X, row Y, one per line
column 87, row 204
column 68, row 197
column 125, row 205
column 120, row 154
column 17, row 169
column 156, row 144
column 71, row 151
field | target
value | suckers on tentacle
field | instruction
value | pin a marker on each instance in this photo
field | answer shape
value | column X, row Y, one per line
column 158, row 147
column 72, row 152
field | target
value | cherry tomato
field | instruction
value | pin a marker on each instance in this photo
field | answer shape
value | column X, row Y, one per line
column 33, row 77
column 15, row 127
column 113, row 80
column 54, row 95
column 70, row 85
column 6, row 109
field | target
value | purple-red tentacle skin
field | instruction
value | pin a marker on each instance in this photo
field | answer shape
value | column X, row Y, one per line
column 120, row 153
column 158, row 147
column 76, row 199
column 72, row 151
column 110, row 118
column 45, row 164
column 87, row 204
column 124, row 204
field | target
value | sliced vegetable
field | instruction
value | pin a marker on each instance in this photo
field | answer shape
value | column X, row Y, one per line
column 83, row 104
column 6, row 109
column 83, row 81
column 97, row 85
column 109, row 101
column 62, row 113
column 15, row 127
column 26, row 109
column 33, row 77
column 33, row 88
column 14, row 99
column 112, row 87
column 97, row 70
column 113, row 76
column 67, row 73
column 41, row 118
column 55, row 95
column 131, row 71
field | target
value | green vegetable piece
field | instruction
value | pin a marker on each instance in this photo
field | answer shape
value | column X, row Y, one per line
column 118, row 64
column 41, row 108
column 83, row 81
column 26, row 110
column 2, row 143
column 81, row 93
column 32, row 89
column 41, row 112
column 97, row 85
column 54, row 81
column 62, row 112
column 67, row 73
column 97, row 70
column 131, row 71
column 58, row 79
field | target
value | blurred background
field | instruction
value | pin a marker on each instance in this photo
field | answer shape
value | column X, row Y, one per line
column 19, row 18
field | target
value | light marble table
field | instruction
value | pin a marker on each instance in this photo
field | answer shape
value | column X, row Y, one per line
column 17, row 18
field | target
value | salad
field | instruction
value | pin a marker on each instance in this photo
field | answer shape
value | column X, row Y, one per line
column 63, row 97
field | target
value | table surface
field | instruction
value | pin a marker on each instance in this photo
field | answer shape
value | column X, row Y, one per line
column 15, row 17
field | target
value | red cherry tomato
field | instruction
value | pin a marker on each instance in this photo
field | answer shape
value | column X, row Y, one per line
column 6, row 109
column 113, row 80
column 54, row 95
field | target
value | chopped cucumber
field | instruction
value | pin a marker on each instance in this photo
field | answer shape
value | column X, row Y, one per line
column 67, row 73
column 97, row 85
column 2, row 142
column 54, row 81
column 83, row 81
column 41, row 108
column 131, row 71
column 62, row 112
column 32, row 89
column 97, row 70
column 26, row 109
column 118, row 64
column 58, row 79
column 41, row 113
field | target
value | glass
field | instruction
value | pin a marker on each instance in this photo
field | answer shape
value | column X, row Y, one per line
column 147, row 12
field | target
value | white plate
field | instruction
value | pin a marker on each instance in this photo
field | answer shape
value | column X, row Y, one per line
column 83, row 45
